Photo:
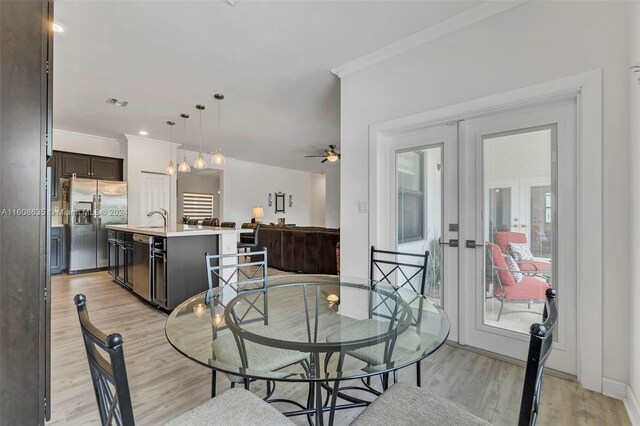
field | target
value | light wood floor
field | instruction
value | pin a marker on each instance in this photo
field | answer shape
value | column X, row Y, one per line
column 164, row 384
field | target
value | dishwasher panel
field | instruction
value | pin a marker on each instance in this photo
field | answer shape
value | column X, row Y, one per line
column 142, row 265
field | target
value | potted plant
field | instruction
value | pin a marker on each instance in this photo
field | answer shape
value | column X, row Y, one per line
column 185, row 219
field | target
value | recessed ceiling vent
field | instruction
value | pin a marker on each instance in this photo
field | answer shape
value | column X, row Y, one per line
column 117, row 102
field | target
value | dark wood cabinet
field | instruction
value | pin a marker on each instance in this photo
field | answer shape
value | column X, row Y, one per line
column 121, row 257
column 57, row 250
column 89, row 166
column 75, row 163
column 171, row 282
column 106, row 168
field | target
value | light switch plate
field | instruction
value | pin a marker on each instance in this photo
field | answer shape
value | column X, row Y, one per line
column 363, row 207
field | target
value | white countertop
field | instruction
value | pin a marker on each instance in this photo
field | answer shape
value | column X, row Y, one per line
column 178, row 230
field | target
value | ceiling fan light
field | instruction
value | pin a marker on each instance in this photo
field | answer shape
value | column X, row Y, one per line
column 218, row 159
column 184, row 167
column 333, row 158
column 200, row 163
column 171, row 168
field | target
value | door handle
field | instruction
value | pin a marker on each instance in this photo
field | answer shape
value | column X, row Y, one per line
column 472, row 244
column 451, row 243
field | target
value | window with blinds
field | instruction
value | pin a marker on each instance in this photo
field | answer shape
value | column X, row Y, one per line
column 197, row 206
column 410, row 181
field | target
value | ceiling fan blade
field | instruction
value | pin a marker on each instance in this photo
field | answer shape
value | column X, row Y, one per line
column 314, row 156
column 324, row 161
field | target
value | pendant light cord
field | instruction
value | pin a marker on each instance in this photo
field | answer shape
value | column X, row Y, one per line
column 200, row 132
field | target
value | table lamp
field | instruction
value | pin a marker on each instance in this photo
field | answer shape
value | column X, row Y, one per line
column 258, row 213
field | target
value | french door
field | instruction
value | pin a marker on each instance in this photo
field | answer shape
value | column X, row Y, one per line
column 422, row 202
column 518, row 205
column 480, row 191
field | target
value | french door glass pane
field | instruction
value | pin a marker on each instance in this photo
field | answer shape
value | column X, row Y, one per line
column 499, row 211
column 419, row 213
column 541, row 229
column 518, row 226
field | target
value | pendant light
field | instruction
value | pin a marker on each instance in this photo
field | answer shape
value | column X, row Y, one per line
column 218, row 158
column 200, row 163
column 184, row 167
column 171, row 168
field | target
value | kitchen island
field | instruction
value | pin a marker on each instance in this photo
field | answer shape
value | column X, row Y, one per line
column 165, row 265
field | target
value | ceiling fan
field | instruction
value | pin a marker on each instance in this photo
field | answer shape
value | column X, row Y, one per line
column 329, row 155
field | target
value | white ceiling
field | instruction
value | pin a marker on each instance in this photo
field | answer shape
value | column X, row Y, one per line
column 271, row 60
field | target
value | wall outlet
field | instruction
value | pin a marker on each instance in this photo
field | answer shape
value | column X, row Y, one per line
column 363, row 207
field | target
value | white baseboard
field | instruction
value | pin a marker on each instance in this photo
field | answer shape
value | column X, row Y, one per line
column 633, row 409
column 614, row 388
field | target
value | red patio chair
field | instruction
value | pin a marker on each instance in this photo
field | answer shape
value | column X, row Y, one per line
column 530, row 289
column 504, row 238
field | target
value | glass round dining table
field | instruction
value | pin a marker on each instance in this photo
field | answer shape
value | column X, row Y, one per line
column 316, row 329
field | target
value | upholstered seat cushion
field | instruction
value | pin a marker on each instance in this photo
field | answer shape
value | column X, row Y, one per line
column 235, row 407
column 530, row 288
column 403, row 404
column 408, row 343
column 259, row 357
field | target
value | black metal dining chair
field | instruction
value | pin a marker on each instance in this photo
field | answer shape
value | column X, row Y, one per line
column 228, row 225
column 246, row 276
column 192, row 221
column 110, row 383
column 404, row 404
column 238, row 272
column 406, row 271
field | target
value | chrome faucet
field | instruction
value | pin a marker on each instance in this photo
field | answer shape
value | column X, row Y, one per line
column 162, row 212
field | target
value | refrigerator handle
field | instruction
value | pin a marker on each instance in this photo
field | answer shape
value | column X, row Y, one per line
column 94, row 214
column 99, row 211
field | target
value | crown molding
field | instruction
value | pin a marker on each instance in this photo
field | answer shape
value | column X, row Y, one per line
column 85, row 136
column 455, row 23
column 128, row 137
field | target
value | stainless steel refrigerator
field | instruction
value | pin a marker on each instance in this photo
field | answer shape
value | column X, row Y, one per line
column 93, row 204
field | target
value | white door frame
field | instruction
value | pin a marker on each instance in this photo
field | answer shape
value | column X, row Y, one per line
column 587, row 89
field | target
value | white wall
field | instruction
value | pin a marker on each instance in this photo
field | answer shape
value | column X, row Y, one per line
column 332, row 197
column 527, row 45
column 82, row 143
column 245, row 185
column 318, row 199
column 148, row 155
column 634, row 389
column 199, row 183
